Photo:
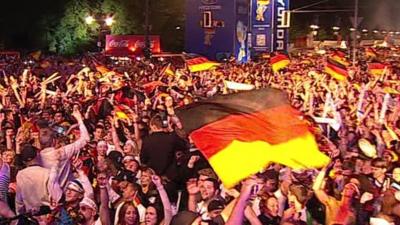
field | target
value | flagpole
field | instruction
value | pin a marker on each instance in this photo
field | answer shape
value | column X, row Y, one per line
column 355, row 32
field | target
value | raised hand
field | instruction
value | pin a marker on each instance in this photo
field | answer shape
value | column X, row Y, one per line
column 192, row 187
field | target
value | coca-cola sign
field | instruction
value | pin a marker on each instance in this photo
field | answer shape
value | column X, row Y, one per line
column 119, row 44
column 130, row 45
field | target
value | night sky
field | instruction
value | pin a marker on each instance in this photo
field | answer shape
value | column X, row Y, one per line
column 20, row 19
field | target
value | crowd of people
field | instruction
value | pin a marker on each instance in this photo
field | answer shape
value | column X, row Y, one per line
column 86, row 141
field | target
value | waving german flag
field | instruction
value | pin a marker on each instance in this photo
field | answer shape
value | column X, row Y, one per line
column 167, row 70
column 279, row 61
column 370, row 53
column 242, row 133
column 336, row 70
column 376, row 69
column 197, row 64
column 340, row 57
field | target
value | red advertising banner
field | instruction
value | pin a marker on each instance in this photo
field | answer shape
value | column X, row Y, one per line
column 130, row 45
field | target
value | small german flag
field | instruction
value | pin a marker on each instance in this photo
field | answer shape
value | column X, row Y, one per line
column 120, row 112
column 336, row 70
column 340, row 57
column 241, row 133
column 370, row 53
column 197, row 64
column 376, row 69
column 167, row 70
column 279, row 61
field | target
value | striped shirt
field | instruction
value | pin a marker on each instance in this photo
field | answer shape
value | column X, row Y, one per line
column 4, row 180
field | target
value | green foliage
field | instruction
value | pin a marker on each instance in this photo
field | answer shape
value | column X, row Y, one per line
column 125, row 22
column 73, row 35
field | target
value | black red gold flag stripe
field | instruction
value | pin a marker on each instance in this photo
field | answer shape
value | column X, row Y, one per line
column 376, row 69
column 279, row 61
column 336, row 70
column 197, row 64
column 242, row 133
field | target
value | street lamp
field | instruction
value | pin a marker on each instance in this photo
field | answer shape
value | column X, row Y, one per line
column 104, row 22
column 335, row 30
column 109, row 21
column 89, row 20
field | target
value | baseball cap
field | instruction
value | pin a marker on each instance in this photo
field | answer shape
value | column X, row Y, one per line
column 76, row 185
column 115, row 156
column 215, row 204
column 28, row 153
column 89, row 203
column 128, row 158
column 125, row 175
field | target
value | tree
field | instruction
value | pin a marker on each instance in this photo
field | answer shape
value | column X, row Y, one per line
column 73, row 35
column 125, row 22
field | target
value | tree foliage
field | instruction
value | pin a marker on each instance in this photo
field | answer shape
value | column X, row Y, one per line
column 125, row 22
column 73, row 35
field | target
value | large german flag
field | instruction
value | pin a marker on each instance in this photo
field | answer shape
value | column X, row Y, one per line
column 198, row 64
column 376, row 69
column 241, row 133
column 336, row 70
column 279, row 61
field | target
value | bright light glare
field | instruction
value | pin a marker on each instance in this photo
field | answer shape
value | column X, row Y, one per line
column 89, row 19
column 109, row 21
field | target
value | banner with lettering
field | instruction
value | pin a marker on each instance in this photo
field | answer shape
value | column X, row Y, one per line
column 210, row 28
column 130, row 45
column 268, row 32
column 280, row 37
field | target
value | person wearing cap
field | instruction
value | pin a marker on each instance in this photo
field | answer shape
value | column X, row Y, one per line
column 88, row 212
column 69, row 211
column 214, row 208
column 131, row 164
column 46, row 191
column 130, row 191
column 50, row 156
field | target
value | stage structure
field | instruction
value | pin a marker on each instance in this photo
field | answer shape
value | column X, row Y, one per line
column 221, row 28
